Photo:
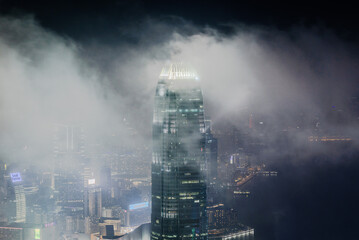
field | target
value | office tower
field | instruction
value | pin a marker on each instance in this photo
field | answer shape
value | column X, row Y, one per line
column 3, row 186
column 17, row 201
column 223, row 224
column 70, row 193
column 92, row 207
column 178, row 160
column 69, row 147
column 211, row 153
column 105, row 184
column 68, row 139
column 11, row 233
column 216, row 215
column 27, row 232
column 93, row 200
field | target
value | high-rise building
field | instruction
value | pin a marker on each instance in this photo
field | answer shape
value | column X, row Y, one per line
column 69, row 193
column 68, row 139
column 211, row 153
column 105, row 184
column 92, row 201
column 178, row 160
column 69, row 147
column 3, row 183
column 92, row 207
column 16, row 209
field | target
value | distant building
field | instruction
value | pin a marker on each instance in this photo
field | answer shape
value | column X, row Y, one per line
column 69, row 193
column 137, row 214
column 329, row 139
column 239, row 160
column 223, row 224
column 92, row 207
column 69, row 146
column 15, row 203
column 3, row 183
column 24, row 231
column 93, row 202
column 105, row 184
column 220, row 217
column 216, row 216
column 68, row 139
column 211, row 153
column 91, row 225
column 11, row 233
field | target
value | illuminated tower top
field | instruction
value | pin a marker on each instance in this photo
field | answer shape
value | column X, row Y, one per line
column 178, row 71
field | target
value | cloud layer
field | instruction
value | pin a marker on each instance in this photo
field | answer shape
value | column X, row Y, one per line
column 47, row 79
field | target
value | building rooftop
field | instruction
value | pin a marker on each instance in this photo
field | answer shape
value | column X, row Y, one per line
column 178, row 71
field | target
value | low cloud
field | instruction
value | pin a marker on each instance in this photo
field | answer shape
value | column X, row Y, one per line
column 108, row 89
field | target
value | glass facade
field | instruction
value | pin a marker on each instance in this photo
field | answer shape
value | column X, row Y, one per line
column 178, row 160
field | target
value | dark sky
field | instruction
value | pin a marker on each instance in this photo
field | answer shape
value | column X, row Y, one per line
column 102, row 19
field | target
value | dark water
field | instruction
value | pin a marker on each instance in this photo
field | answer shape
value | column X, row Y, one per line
column 247, row 237
column 314, row 198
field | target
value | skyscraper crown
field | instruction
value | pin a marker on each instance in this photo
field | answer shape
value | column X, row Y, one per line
column 178, row 71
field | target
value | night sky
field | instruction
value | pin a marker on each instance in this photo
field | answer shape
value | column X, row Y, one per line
column 316, row 194
column 103, row 20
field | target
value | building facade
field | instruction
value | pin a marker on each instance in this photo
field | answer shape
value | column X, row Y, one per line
column 15, row 205
column 178, row 160
column 211, row 153
column 93, row 202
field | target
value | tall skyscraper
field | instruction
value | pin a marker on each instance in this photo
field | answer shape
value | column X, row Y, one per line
column 178, row 160
column 69, row 147
column 211, row 153
column 92, row 207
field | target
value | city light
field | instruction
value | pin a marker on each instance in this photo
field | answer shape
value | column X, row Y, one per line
column 138, row 206
column 15, row 177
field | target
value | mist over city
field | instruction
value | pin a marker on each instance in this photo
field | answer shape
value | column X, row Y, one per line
column 92, row 118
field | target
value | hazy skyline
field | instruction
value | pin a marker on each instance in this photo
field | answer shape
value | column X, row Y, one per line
column 47, row 78
column 97, row 66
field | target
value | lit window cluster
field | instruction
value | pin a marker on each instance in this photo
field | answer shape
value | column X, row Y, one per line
column 190, row 181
